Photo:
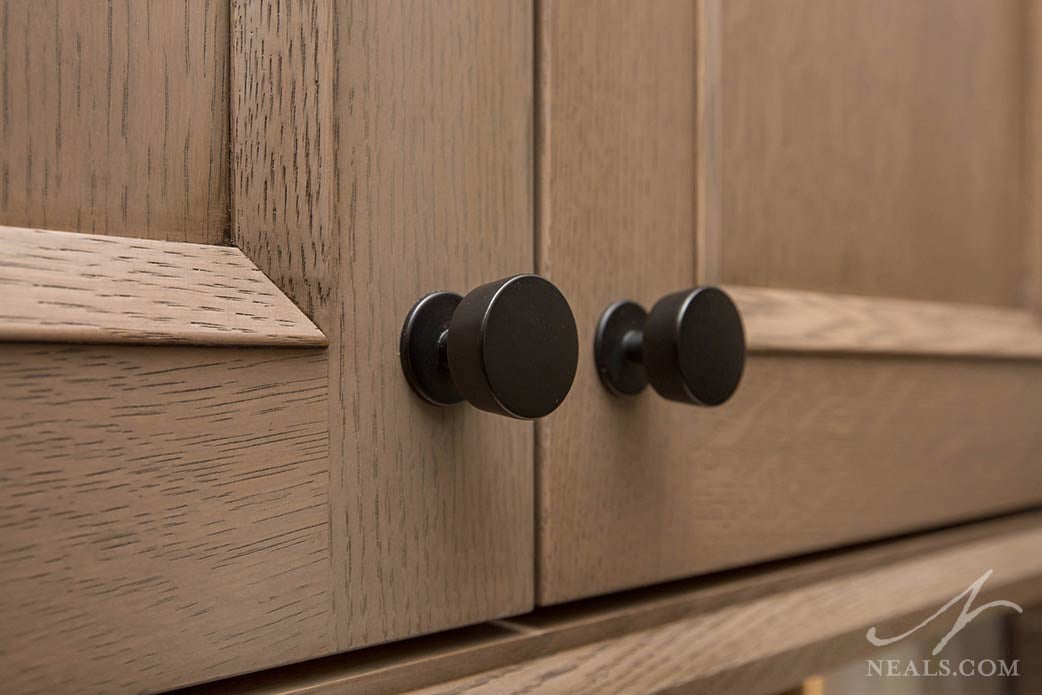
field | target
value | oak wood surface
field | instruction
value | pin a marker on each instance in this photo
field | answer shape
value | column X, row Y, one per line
column 114, row 117
column 1025, row 637
column 874, row 147
column 382, row 151
column 708, row 140
column 615, row 220
column 515, row 646
column 885, row 445
column 1033, row 156
column 72, row 287
column 762, row 645
column 801, row 321
column 164, row 515
column 636, row 491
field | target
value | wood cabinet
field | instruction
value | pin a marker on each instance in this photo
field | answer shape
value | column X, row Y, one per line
column 856, row 175
column 216, row 215
column 209, row 460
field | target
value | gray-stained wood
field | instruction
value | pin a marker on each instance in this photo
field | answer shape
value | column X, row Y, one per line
column 70, row 287
column 164, row 514
column 114, row 117
column 383, row 151
column 807, row 157
column 215, row 216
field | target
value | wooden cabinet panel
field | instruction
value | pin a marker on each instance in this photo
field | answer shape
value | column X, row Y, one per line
column 873, row 147
column 174, row 515
column 812, row 452
column 115, row 117
column 383, row 151
column 787, row 146
column 616, row 179
column 164, row 514
column 744, row 633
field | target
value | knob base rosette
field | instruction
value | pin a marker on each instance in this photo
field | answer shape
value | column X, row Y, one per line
column 619, row 372
column 422, row 348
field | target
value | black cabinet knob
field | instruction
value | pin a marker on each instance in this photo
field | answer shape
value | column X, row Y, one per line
column 691, row 347
column 509, row 347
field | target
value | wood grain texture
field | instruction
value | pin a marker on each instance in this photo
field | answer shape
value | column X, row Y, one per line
column 382, row 151
column 164, row 515
column 114, row 117
column 982, row 639
column 517, row 644
column 1025, row 636
column 757, row 647
column 283, row 173
column 875, row 147
column 800, row 321
column 616, row 220
column 709, row 137
column 71, row 287
column 637, row 491
column 886, row 445
column 1033, row 155
column 608, row 72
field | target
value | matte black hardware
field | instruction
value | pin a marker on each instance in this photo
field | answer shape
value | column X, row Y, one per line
column 691, row 347
column 509, row 347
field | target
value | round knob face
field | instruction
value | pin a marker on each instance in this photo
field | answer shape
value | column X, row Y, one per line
column 513, row 347
column 694, row 346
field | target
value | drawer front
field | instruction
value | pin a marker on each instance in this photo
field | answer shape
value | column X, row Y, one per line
column 855, row 176
column 210, row 462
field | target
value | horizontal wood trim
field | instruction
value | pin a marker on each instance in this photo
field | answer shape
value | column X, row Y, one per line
column 87, row 288
column 752, row 646
column 799, row 321
column 748, row 631
column 762, row 645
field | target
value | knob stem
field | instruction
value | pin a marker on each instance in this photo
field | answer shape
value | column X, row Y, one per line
column 443, row 349
column 633, row 346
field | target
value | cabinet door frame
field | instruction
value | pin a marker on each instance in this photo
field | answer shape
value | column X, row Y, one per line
column 212, row 463
column 640, row 491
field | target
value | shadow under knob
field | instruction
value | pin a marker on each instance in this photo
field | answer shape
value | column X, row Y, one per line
column 690, row 347
column 509, row 347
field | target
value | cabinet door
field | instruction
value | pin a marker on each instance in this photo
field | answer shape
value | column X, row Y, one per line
column 860, row 177
column 210, row 462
